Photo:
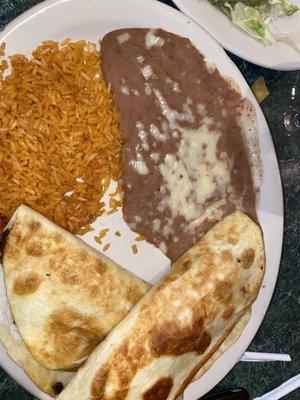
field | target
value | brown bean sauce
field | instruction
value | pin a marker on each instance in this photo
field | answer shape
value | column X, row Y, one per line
column 186, row 164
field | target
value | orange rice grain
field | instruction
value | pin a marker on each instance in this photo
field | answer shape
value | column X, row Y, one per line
column 58, row 124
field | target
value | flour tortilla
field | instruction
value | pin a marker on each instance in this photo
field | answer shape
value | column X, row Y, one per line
column 181, row 322
column 64, row 296
column 45, row 379
column 228, row 342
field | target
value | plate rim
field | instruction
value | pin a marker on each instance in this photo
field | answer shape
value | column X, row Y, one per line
column 245, row 338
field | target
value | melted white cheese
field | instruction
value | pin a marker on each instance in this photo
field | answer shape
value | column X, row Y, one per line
column 196, row 172
column 163, row 247
column 214, row 211
column 124, row 90
column 156, row 225
column 124, row 37
column 139, row 165
column 148, row 89
column 142, row 134
column 155, row 132
column 206, row 118
column 164, row 127
column 172, row 115
column 140, row 59
column 152, row 40
column 174, row 85
column 201, row 109
column 147, row 72
column 155, row 157
column 167, row 230
column 139, row 125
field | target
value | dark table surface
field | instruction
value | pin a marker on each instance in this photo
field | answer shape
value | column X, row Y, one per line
column 280, row 330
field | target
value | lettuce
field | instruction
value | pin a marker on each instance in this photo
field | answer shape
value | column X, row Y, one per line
column 253, row 16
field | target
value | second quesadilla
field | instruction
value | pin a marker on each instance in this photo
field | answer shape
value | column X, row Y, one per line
column 181, row 322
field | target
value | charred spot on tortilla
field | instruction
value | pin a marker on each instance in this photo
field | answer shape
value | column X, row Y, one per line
column 26, row 284
column 227, row 256
column 57, row 237
column 160, row 390
column 223, row 292
column 2, row 222
column 100, row 267
column 34, row 226
column 82, row 255
column 35, row 249
column 232, row 240
column 3, row 240
column 98, row 386
column 186, row 156
column 244, row 290
column 58, row 388
column 247, row 258
column 70, row 329
column 228, row 313
column 187, row 264
column 170, row 339
column 68, row 276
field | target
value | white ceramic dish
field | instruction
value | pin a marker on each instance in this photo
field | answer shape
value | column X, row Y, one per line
column 279, row 56
column 91, row 19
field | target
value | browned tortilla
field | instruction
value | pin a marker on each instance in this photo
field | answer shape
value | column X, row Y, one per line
column 64, row 296
column 156, row 350
column 183, row 78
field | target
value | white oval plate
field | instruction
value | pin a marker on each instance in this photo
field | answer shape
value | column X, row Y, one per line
column 91, row 19
column 279, row 56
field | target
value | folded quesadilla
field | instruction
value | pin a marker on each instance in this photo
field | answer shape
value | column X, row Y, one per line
column 155, row 351
column 64, row 296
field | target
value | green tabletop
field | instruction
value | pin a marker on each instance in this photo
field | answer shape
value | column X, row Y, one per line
column 280, row 330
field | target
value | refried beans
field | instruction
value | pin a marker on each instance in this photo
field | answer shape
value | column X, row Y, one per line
column 186, row 164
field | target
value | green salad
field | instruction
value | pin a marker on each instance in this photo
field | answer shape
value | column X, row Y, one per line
column 253, row 16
